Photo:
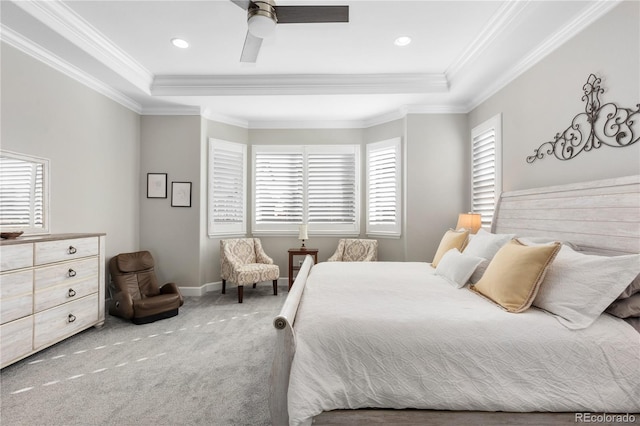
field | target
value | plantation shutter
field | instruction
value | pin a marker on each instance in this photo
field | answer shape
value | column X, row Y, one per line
column 383, row 188
column 331, row 187
column 21, row 194
column 485, row 170
column 227, row 188
column 278, row 189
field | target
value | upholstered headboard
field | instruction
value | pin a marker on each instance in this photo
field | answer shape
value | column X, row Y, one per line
column 600, row 216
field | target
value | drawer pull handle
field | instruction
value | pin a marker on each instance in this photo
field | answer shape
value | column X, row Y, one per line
column 72, row 318
column 72, row 292
column 72, row 250
column 72, row 273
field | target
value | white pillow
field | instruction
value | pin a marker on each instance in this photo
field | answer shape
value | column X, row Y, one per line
column 579, row 287
column 485, row 244
column 456, row 268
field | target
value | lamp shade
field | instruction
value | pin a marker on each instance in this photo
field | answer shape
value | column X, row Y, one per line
column 470, row 221
column 302, row 232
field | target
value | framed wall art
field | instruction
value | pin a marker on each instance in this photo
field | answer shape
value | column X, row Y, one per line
column 156, row 185
column 180, row 194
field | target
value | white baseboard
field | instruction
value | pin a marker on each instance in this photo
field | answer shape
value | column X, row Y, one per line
column 217, row 286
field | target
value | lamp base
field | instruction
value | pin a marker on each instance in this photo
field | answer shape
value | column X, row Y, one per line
column 302, row 247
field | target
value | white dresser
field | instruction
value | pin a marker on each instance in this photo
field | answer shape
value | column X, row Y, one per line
column 51, row 287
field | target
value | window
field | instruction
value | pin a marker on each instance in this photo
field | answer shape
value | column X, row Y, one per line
column 227, row 188
column 313, row 184
column 24, row 193
column 486, row 169
column 384, row 188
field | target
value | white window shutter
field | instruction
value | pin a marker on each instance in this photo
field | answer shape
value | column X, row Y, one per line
column 227, row 188
column 331, row 187
column 278, row 192
column 21, row 194
column 486, row 169
column 384, row 188
column 313, row 184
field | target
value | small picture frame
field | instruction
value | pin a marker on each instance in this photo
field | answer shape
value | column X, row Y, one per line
column 180, row 194
column 156, row 185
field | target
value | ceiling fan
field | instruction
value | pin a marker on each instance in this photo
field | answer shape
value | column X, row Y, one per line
column 263, row 15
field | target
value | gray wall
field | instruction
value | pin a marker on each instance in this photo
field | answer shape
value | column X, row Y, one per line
column 92, row 144
column 210, row 247
column 171, row 144
column 544, row 100
column 101, row 152
column 437, row 149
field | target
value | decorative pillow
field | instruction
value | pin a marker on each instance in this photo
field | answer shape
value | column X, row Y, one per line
column 479, row 272
column 579, row 287
column 514, row 275
column 456, row 267
column 545, row 240
column 451, row 239
column 625, row 308
column 632, row 289
column 485, row 244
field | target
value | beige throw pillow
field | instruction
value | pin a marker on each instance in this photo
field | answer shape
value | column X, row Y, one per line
column 450, row 240
column 515, row 273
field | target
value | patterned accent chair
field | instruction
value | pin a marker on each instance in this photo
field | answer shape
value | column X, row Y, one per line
column 244, row 262
column 355, row 250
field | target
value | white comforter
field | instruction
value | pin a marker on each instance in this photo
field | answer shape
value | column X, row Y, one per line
column 387, row 334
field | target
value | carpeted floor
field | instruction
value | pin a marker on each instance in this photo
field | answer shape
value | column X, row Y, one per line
column 207, row 366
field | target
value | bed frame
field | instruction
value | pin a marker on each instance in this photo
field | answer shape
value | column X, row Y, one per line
column 599, row 216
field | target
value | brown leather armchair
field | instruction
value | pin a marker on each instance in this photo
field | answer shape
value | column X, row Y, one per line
column 137, row 294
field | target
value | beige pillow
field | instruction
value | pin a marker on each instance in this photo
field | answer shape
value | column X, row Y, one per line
column 515, row 273
column 450, row 240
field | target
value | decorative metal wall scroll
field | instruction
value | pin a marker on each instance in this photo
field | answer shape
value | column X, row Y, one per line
column 598, row 125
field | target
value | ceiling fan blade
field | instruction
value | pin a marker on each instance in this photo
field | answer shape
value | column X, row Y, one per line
column 242, row 3
column 251, row 48
column 311, row 14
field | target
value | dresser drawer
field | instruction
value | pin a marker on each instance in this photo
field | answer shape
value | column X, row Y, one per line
column 66, row 273
column 16, row 256
column 61, row 250
column 64, row 320
column 16, row 339
column 16, row 295
column 65, row 292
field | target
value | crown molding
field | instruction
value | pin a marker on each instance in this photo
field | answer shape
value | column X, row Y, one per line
column 297, row 84
column 551, row 43
column 224, row 119
column 171, row 110
column 37, row 52
column 502, row 19
column 63, row 20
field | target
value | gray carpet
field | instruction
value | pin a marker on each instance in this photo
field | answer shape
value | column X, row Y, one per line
column 207, row 366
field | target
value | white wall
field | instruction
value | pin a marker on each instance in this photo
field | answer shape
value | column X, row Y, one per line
column 544, row 100
column 90, row 140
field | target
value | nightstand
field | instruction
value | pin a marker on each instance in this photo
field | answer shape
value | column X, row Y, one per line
column 296, row 267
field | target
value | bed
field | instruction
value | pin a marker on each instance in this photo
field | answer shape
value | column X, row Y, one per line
column 398, row 335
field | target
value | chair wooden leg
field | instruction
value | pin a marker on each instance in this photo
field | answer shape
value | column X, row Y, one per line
column 224, row 286
column 275, row 287
column 240, row 293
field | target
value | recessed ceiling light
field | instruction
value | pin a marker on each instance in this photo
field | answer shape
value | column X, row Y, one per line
column 402, row 41
column 178, row 42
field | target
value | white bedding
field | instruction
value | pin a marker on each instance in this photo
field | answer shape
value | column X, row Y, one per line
column 394, row 335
